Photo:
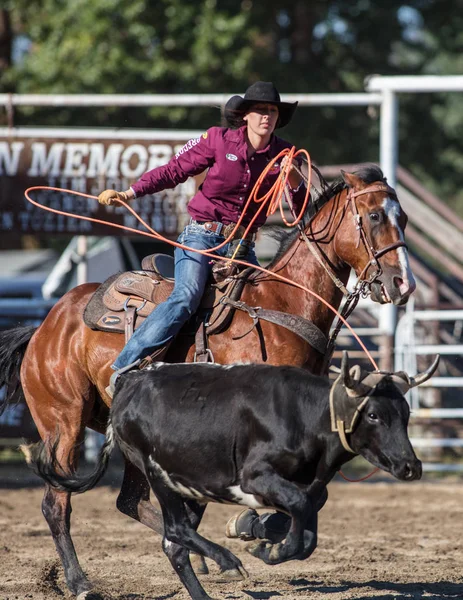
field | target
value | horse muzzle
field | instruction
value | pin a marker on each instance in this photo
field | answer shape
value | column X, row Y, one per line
column 392, row 290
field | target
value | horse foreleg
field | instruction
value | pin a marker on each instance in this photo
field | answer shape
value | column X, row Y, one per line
column 134, row 499
column 56, row 508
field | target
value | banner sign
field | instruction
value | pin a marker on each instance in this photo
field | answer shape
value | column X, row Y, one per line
column 87, row 161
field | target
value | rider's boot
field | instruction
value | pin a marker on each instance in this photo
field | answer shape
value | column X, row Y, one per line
column 115, row 376
column 140, row 363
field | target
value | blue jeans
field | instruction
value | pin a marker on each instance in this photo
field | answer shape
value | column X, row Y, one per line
column 192, row 272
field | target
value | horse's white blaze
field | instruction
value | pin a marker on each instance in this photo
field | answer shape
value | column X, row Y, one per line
column 241, row 497
column 392, row 210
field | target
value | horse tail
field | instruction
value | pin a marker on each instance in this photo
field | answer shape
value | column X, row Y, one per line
column 43, row 461
column 13, row 344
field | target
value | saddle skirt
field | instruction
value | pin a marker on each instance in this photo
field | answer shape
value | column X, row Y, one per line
column 122, row 303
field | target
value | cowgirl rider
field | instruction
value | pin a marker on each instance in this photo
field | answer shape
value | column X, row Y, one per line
column 234, row 157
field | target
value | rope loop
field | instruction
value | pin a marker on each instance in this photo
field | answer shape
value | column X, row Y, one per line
column 273, row 199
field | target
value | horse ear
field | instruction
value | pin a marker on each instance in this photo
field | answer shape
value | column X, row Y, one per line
column 352, row 180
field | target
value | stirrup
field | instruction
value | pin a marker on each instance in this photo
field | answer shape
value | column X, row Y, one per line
column 115, row 376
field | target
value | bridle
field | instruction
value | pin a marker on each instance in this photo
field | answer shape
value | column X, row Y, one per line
column 373, row 254
column 362, row 286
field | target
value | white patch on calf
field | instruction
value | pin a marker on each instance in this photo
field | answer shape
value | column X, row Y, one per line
column 241, row 497
column 181, row 489
column 392, row 210
column 154, row 366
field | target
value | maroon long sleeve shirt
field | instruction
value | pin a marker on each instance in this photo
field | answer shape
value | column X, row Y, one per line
column 229, row 179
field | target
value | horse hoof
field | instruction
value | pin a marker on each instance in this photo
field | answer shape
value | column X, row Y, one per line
column 232, row 575
column 199, row 564
column 83, row 595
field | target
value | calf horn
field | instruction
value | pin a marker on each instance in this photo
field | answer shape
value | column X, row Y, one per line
column 350, row 377
column 345, row 374
column 421, row 377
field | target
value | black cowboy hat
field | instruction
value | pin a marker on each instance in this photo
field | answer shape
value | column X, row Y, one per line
column 261, row 91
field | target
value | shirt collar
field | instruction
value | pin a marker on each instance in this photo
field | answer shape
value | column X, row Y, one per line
column 242, row 134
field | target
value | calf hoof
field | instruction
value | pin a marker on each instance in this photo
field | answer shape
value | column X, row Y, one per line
column 84, row 590
column 237, row 574
column 271, row 554
column 199, row 564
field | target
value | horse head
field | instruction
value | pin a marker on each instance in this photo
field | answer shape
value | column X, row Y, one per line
column 369, row 235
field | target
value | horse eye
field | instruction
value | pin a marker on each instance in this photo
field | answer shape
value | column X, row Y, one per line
column 374, row 217
column 373, row 416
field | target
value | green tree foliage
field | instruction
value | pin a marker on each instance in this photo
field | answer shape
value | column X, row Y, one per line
column 205, row 46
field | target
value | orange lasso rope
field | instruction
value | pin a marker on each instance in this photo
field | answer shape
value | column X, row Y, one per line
column 273, row 198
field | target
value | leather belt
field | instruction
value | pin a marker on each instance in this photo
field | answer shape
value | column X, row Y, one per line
column 225, row 230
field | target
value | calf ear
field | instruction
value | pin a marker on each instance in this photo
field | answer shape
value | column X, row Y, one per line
column 402, row 381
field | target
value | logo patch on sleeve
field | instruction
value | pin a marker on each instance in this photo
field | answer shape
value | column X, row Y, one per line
column 205, row 135
column 231, row 157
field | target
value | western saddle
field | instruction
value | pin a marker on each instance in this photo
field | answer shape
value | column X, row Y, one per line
column 123, row 302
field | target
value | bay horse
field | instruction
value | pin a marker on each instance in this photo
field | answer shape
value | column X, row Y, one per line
column 62, row 367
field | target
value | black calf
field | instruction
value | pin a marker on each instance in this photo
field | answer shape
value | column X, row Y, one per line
column 256, row 435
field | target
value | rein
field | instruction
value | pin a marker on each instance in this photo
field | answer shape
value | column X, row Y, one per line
column 362, row 285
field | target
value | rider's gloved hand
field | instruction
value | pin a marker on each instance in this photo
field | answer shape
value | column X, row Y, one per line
column 110, row 196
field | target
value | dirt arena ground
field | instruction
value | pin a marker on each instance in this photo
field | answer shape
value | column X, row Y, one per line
column 376, row 540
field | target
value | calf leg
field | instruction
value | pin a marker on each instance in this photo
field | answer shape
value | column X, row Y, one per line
column 180, row 561
column 195, row 514
column 134, row 499
column 300, row 542
column 274, row 528
column 249, row 525
column 179, row 530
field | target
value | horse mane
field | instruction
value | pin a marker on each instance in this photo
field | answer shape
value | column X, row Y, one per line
column 368, row 172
